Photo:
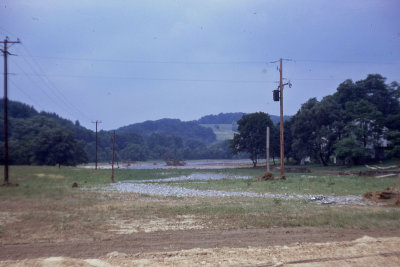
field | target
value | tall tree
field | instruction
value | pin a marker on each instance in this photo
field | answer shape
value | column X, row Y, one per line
column 252, row 135
column 364, row 121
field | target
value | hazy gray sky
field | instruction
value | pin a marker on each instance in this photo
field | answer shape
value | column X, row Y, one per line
column 129, row 61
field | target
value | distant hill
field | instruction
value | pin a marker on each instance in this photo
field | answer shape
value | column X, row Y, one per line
column 233, row 117
column 223, row 131
column 204, row 138
column 18, row 110
column 224, row 125
column 189, row 130
column 221, row 118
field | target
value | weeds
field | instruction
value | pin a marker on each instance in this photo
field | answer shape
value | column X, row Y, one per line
column 64, row 223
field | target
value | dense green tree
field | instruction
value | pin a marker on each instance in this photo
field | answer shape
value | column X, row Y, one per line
column 351, row 151
column 57, row 146
column 252, row 135
column 357, row 112
column 162, row 145
column 364, row 121
column 39, row 140
column 316, row 128
column 221, row 150
column 134, row 152
column 393, row 147
column 303, row 128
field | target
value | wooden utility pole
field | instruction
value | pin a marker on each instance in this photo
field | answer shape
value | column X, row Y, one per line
column 113, row 156
column 281, row 131
column 267, row 151
column 6, row 161
column 96, row 141
column 282, row 140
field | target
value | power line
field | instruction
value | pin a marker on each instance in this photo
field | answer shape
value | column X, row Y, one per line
column 244, row 62
column 346, row 61
column 153, row 61
column 26, row 94
column 55, row 89
column 49, row 96
column 54, row 97
column 6, row 32
column 158, row 79
column 40, row 88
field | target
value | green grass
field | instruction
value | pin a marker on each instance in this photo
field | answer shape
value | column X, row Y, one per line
column 345, row 168
column 55, row 182
column 48, row 190
column 254, row 212
column 297, row 183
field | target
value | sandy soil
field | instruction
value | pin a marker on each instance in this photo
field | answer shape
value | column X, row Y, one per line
column 364, row 251
column 180, row 247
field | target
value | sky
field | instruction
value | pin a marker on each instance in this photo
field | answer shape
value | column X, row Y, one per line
column 123, row 62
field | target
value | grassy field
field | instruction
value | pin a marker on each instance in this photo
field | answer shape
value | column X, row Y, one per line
column 39, row 180
column 45, row 203
column 222, row 131
column 298, row 183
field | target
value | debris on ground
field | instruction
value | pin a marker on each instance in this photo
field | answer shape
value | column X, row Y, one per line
column 389, row 195
column 377, row 173
column 387, row 175
column 383, row 168
column 173, row 161
column 267, row 176
column 74, row 185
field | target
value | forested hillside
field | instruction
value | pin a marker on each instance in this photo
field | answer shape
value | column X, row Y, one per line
column 35, row 138
column 186, row 130
column 221, row 118
column 46, row 138
column 229, row 118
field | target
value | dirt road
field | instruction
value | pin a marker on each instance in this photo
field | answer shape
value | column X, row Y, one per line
column 258, row 246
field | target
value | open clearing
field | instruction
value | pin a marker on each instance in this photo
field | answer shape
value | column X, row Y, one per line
column 45, row 222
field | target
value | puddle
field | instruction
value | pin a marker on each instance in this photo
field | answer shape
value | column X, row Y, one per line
column 193, row 177
column 205, row 164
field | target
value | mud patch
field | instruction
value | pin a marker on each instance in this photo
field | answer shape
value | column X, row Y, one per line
column 183, row 222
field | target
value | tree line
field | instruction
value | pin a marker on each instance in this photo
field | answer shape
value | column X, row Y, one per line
column 42, row 138
column 359, row 123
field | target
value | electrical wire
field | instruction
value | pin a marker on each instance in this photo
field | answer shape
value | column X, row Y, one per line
column 26, row 94
column 54, row 88
column 157, row 79
column 39, row 87
column 153, row 61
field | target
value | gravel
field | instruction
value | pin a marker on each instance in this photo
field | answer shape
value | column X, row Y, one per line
column 156, row 188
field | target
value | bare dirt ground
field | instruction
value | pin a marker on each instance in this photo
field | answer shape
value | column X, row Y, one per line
column 264, row 247
column 65, row 232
